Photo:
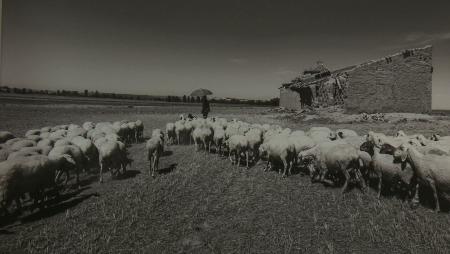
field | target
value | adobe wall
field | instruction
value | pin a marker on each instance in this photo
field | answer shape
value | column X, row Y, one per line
column 289, row 99
column 399, row 83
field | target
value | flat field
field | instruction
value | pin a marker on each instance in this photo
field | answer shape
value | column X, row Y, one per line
column 200, row 203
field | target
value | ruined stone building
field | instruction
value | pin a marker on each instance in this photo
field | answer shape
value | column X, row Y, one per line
column 396, row 83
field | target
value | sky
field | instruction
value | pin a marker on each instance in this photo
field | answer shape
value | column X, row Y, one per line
column 241, row 49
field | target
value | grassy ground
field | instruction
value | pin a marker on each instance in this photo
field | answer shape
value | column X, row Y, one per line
column 200, row 203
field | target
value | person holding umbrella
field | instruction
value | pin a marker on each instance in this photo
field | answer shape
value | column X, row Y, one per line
column 205, row 104
column 205, row 107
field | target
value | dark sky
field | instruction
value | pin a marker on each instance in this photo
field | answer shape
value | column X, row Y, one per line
column 239, row 49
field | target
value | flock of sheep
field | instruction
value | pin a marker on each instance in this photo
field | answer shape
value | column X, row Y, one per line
column 401, row 163
column 38, row 164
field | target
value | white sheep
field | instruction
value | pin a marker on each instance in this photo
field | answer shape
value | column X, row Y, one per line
column 202, row 135
column 76, row 132
column 386, row 170
column 46, row 129
column 16, row 146
column 5, row 136
column 45, row 142
column 35, row 138
column 110, row 157
column 335, row 158
column 155, row 149
column 180, row 131
column 76, row 154
column 73, row 127
column 4, row 153
column 139, row 130
column 89, row 150
column 320, row 134
column 88, row 126
column 170, row 132
column 431, row 170
column 218, row 139
column 62, row 142
column 33, row 132
column 278, row 148
column 30, row 175
column 345, row 133
column 255, row 138
column 237, row 144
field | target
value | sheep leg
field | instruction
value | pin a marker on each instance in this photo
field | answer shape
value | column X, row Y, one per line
column 246, row 157
column 414, row 193
column 380, row 181
column 238, row 154
column 361, row 179
column 347, row 179
column 196, row 145
column 150, row 164
column 101, row 173
column 204, row 145
column 285, row 165
column 435, row 194
column 290, row 167
column 155, row 162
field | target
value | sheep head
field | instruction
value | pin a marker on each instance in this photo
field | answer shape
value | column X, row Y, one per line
column 368, row 147
column 387, row 149
column 435, row 137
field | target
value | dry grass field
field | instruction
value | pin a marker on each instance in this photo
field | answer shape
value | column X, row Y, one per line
column 200, row 203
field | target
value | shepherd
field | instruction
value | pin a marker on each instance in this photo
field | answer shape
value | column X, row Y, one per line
column 205, row 104
column 205, row 107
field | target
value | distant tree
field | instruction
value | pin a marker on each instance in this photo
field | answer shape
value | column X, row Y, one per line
column 184, row 98
column 198, row 99
column 275, row 101
column 58, row 92
column 24, row 90
column 86, row 92
column 8, row 90
column 96, row 94
column 168, row 99
column 16, row 90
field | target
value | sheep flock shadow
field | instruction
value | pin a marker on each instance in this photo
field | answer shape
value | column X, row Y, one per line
column 50, row 208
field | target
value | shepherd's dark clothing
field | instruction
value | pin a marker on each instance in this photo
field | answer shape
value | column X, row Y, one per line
column 205, row 107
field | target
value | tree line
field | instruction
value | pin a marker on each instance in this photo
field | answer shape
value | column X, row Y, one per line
column 170, row 98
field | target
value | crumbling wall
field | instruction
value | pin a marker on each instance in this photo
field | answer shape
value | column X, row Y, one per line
column 289, row 99
column 399, row 83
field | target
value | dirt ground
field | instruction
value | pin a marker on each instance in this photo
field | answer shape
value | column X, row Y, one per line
column 200, row 203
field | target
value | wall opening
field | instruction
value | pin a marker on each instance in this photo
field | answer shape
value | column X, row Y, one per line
column 306, row 96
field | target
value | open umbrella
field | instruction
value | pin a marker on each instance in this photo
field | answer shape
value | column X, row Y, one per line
column 201, row 92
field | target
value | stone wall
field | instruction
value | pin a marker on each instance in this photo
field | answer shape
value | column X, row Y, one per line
column 289, row 99
column 399, row 83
